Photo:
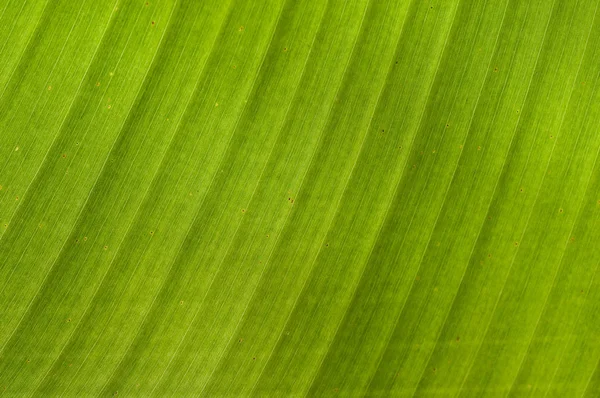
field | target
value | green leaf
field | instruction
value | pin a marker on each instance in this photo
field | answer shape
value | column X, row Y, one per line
column 291, row 198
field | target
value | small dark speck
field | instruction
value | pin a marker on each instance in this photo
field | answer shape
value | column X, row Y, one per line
column 254, row 359
column 152, row 22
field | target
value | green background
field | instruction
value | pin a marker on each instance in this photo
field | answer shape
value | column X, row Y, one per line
column 299, row 198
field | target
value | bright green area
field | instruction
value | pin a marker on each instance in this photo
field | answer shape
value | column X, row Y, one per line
column 292, row 198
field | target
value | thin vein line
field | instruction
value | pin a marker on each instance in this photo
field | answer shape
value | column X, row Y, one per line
column 251, row 90
column 427, row 99
column 578, row 210
column 535, row 200
column 453, row 176
column 219, row 361
column 135, row 213
column 109, row 378
column 4, row 345
column 255, row 384
column 33, row 33
column 12, row 29
column 43, row 162
column 587, row 385
column 378, row 234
